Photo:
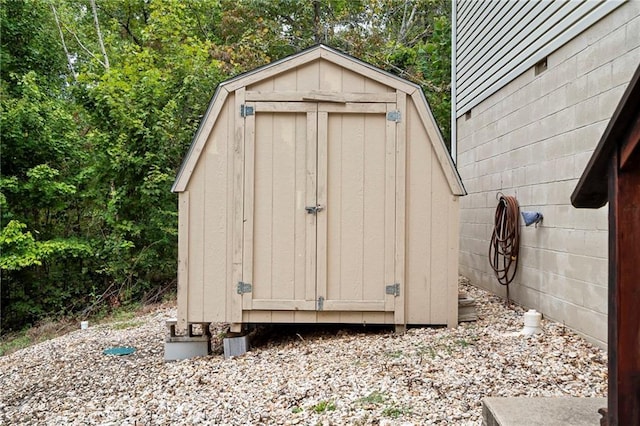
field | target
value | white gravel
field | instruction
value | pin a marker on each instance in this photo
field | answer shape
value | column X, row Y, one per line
column 366, row 377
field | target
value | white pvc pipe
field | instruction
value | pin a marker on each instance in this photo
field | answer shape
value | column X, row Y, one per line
column 532, row 320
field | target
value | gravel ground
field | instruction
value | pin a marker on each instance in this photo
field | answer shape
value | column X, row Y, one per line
column 299, row 376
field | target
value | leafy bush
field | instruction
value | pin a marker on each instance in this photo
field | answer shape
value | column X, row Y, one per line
column 95, row 121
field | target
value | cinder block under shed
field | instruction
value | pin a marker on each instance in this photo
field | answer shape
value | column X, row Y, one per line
column 466, row 308
column 190, row 345
column 185, row 349
column 235, row 346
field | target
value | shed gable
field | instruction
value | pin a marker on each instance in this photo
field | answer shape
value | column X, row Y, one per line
column 319, row 74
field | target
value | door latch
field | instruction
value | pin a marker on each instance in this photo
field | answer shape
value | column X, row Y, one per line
column 314, row 209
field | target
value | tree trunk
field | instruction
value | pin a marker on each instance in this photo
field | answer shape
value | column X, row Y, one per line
column 95, row 18
column 64, row 45
column 317, row 35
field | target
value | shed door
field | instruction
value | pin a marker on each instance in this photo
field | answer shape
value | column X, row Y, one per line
column 320, row 207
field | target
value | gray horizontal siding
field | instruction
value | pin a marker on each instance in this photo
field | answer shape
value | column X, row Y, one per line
column 498, row 40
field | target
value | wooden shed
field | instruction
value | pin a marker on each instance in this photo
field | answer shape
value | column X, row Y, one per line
column 318, row 190
column 613, row 175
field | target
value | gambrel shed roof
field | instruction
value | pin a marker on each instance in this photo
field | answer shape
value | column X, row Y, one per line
column 324, row 53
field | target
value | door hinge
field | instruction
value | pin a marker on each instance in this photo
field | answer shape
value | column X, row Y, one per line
column 245, row 110
column 393, row 289
column 320, row 303
column 394, row 116
column 243, row 287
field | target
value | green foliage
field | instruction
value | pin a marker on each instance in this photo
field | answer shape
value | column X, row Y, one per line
column 43, row 251
column 374, row 397
column 323, row 406
column 92, row 139
column 29, row 41
column 18, row 249
column 15, row 343
column 395, row 412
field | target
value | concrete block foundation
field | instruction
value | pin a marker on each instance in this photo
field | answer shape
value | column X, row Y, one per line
column 194, row 347
column 197, row 341
column 235, row 346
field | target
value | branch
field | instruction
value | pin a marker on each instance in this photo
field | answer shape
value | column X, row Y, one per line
column 82, row 45
column 64, row 45
column 95, row 18
column 204, row 32
column 125, row 25
column 406, row 22
column 420, row 36
column 401, row 72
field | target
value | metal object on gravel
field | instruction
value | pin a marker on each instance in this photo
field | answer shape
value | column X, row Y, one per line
column 119, row 351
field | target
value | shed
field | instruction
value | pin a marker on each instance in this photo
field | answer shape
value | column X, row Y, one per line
column 318, row 189
column 613, row 175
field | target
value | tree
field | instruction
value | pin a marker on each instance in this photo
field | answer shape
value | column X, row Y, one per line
column 100, row 100
column 409, row 38
column 40, row 239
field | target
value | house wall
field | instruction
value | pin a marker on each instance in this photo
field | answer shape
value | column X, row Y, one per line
column 532, row 138
column 498, row 40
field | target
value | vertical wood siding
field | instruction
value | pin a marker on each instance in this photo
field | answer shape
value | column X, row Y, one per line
column 356, row 203
column 206, row 227
column 498, row 40
column 431, row 238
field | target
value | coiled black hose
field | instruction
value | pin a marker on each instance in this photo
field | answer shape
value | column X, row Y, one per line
column 505, row 240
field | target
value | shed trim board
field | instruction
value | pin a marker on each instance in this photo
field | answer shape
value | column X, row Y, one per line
column 183, row 258
column 237, row 236
column 318, row 200
column 497, row 41
column 321, row 289
column 400, row 213
column 320, row 96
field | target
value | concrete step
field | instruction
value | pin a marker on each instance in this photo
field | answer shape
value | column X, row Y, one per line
column 543, row 411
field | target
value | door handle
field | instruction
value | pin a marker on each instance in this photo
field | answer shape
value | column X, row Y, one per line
column 314, row 209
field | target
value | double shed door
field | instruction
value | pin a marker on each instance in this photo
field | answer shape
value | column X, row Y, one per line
column 323, row 225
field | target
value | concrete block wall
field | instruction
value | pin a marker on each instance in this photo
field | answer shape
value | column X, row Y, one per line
column 532, row 139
